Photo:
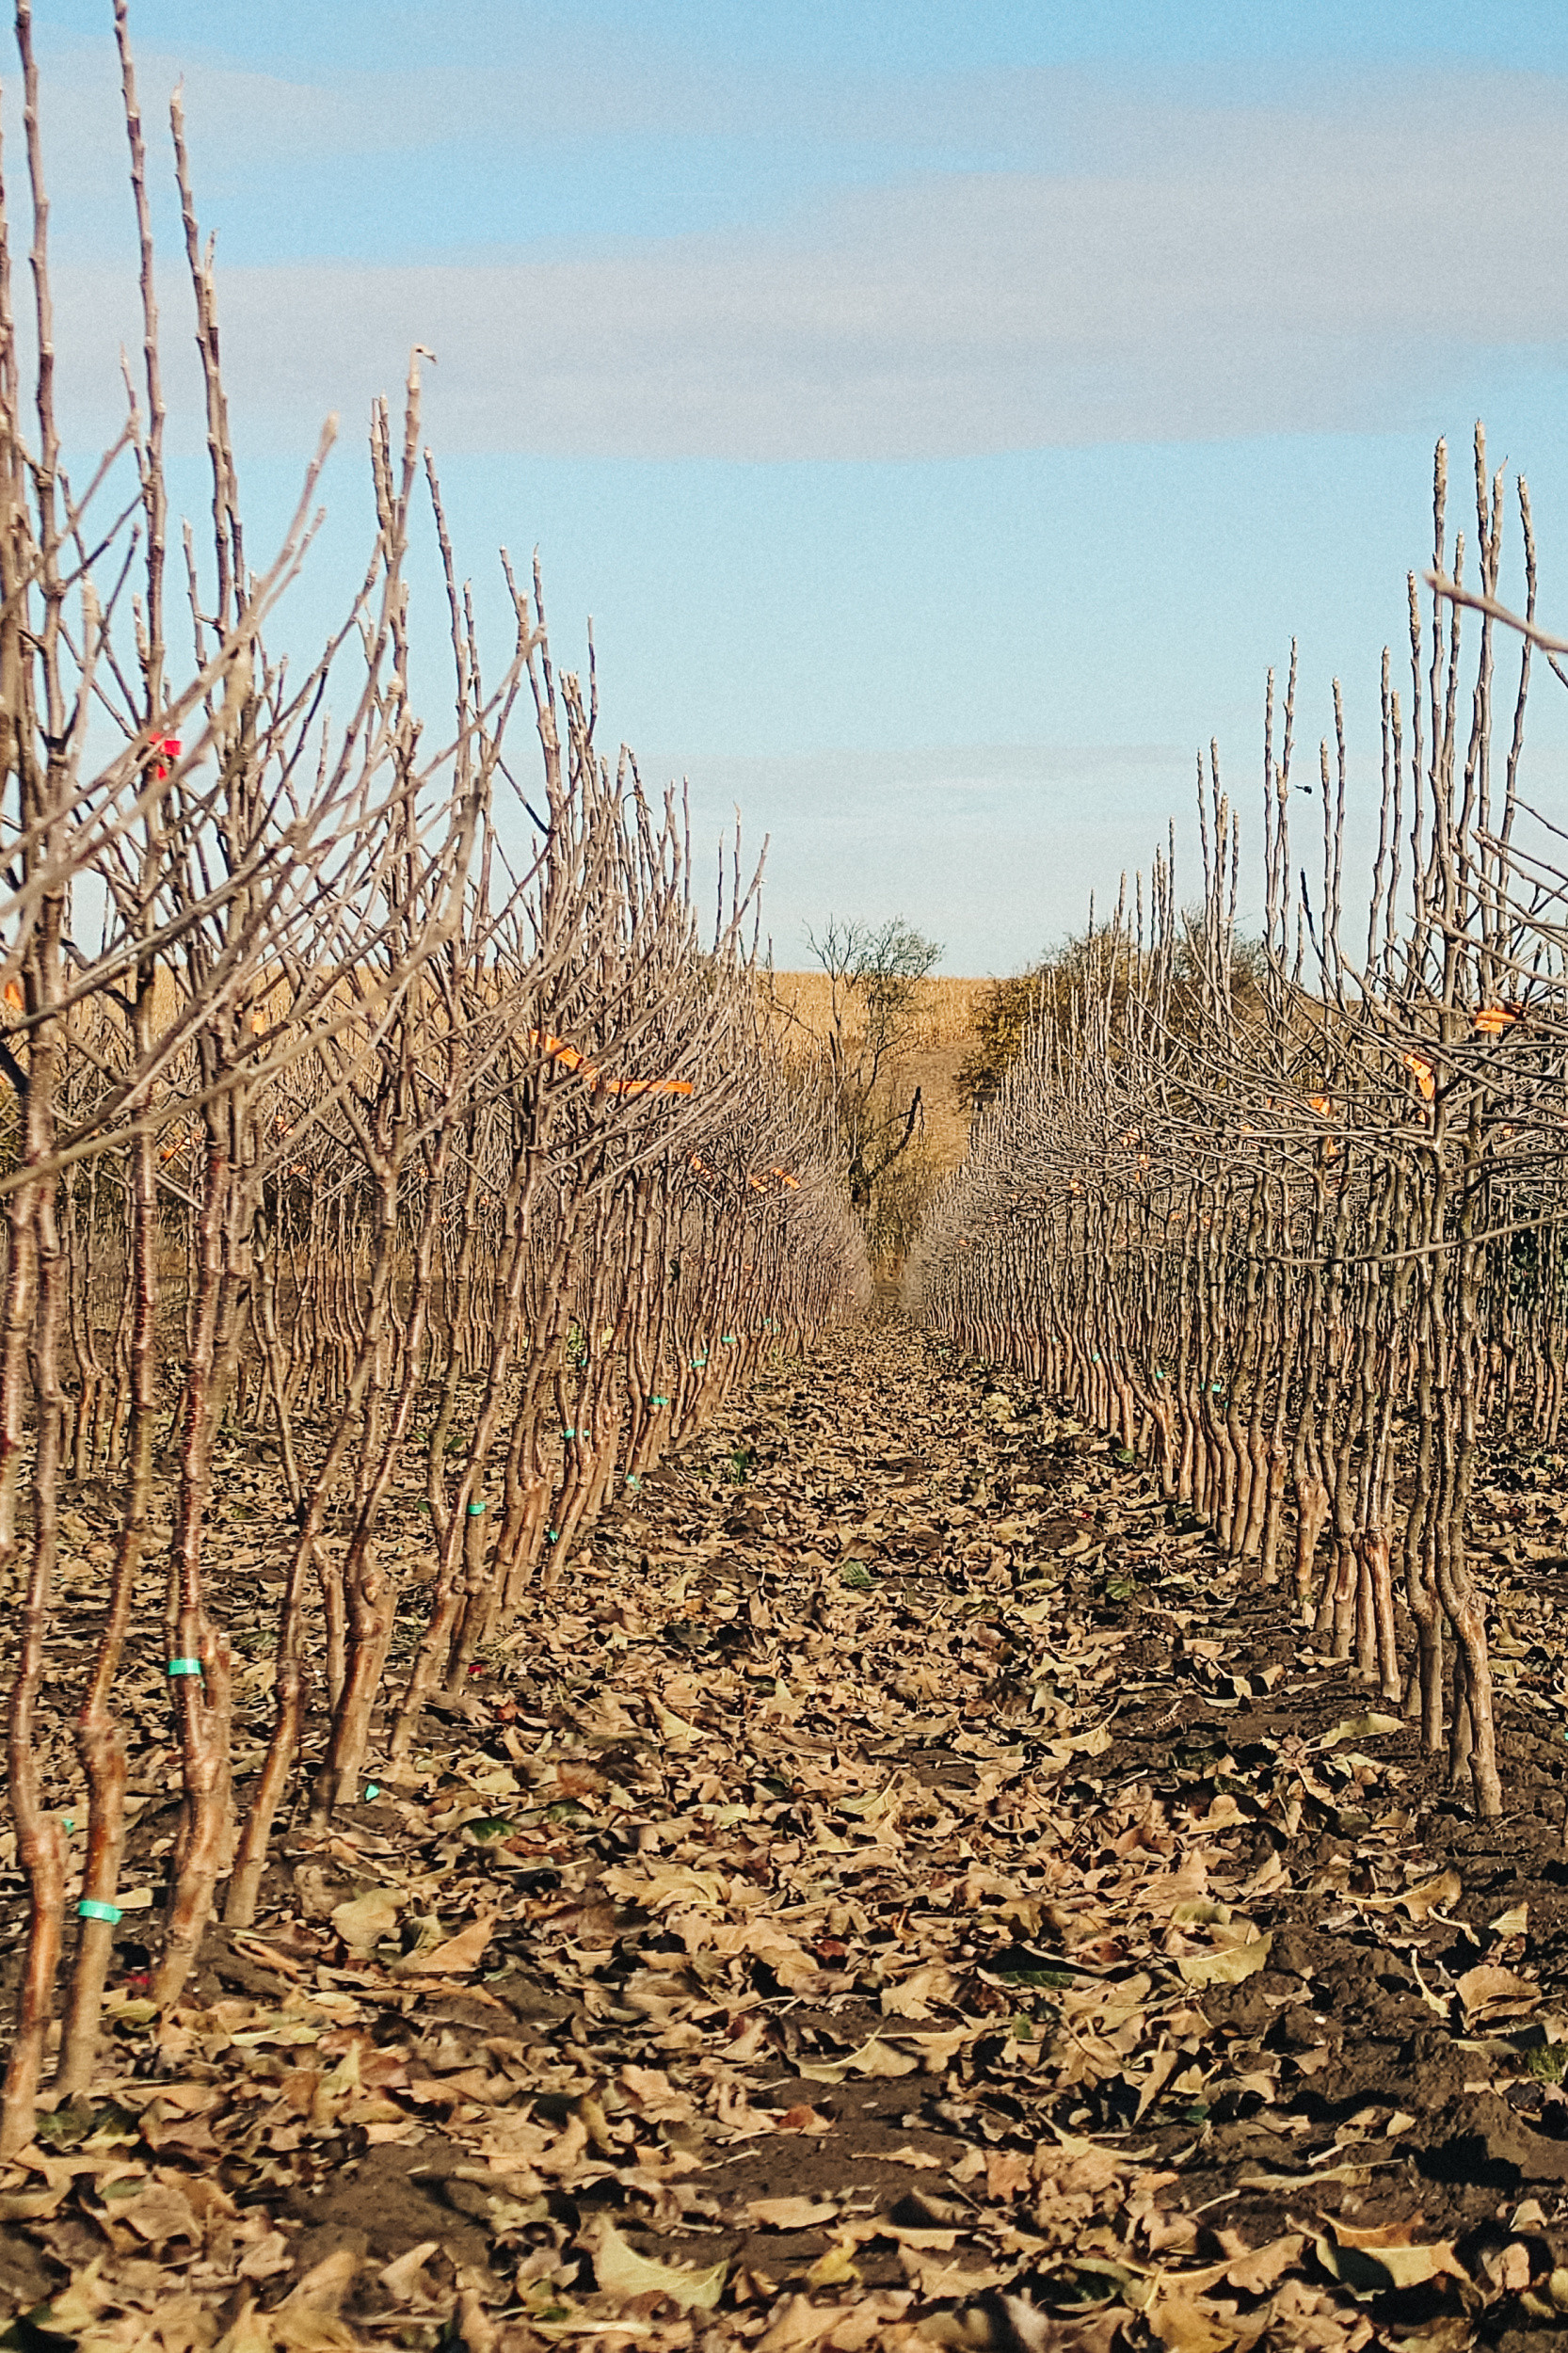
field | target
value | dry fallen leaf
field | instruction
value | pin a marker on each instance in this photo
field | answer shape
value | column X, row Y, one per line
column 368, row 1919
column 798, row 2324
column 1488, row 1992
column 1261, row 2268
column 619, row 2270
column 1184, row 2327
column 802, row 2119
column 836, row 2268
column 912, row 1997
column 401, row 2278
column 874, row 2057
column 1227, row 1966
column 1369, row 2261
column 1361, row 1728
column 790, row 2214
column 458, row 1955
column 933, row 2279
column 1433, row 1895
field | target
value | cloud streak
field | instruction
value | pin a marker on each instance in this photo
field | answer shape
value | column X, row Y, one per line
column 1201, row 275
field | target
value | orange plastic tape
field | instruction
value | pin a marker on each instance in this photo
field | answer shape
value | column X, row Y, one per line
column 558, row 1051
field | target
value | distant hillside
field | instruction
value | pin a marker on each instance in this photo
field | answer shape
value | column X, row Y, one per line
column 943, row 1033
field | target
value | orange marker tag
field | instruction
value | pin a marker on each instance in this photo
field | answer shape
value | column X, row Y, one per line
column 569, row 1059
column 1421, row 1071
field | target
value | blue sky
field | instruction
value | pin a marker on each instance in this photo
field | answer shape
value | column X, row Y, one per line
column 946, row 412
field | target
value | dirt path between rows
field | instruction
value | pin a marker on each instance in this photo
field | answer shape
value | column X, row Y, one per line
column 901, row 1890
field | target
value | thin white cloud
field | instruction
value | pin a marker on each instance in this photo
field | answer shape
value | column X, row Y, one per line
column 1244, row 271
column 243, row 120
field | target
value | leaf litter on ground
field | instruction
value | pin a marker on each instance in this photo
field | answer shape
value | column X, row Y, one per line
column 902, row 1892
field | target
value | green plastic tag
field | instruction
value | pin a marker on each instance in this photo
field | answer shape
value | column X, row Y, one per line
column 90, row 1908
column 184, row 1665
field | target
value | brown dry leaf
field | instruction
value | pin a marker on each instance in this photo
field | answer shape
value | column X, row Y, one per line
column 476, row 2330
column 459, row 1953
column 1227, row 1966
column 1008, row 2172
column 1262, row 2267
column 184, row 2325
column 324, row 2287
column 797, row 2323
column 159, row 2213
column 936, row 2049
column 1486, row 1991
column 790, row 2214
column 933, row 2279
column 1184, row 2327
column 874, row 2057
column 656, row 2097
column 912, row 1997
column 32, row 2205
column 836, row 2268
column 267, row 2258
column 307, row 2321
column 856, row 2231
column 1150, row 2085
column 403, row 2279
column 75, row 2309
column 1433, row 1895
column 1361, row 1728
column 619, row 2270
column 1385, row 2256
column 368, row 1919
column 1508, row 2268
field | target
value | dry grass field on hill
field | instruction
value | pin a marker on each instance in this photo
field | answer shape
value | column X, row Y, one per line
column 943, row 1035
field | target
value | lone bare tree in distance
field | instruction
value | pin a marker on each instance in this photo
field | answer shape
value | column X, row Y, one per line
column 873, row 972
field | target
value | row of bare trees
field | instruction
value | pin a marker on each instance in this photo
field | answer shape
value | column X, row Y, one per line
column 354, row 1095
column 1291, row 1215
